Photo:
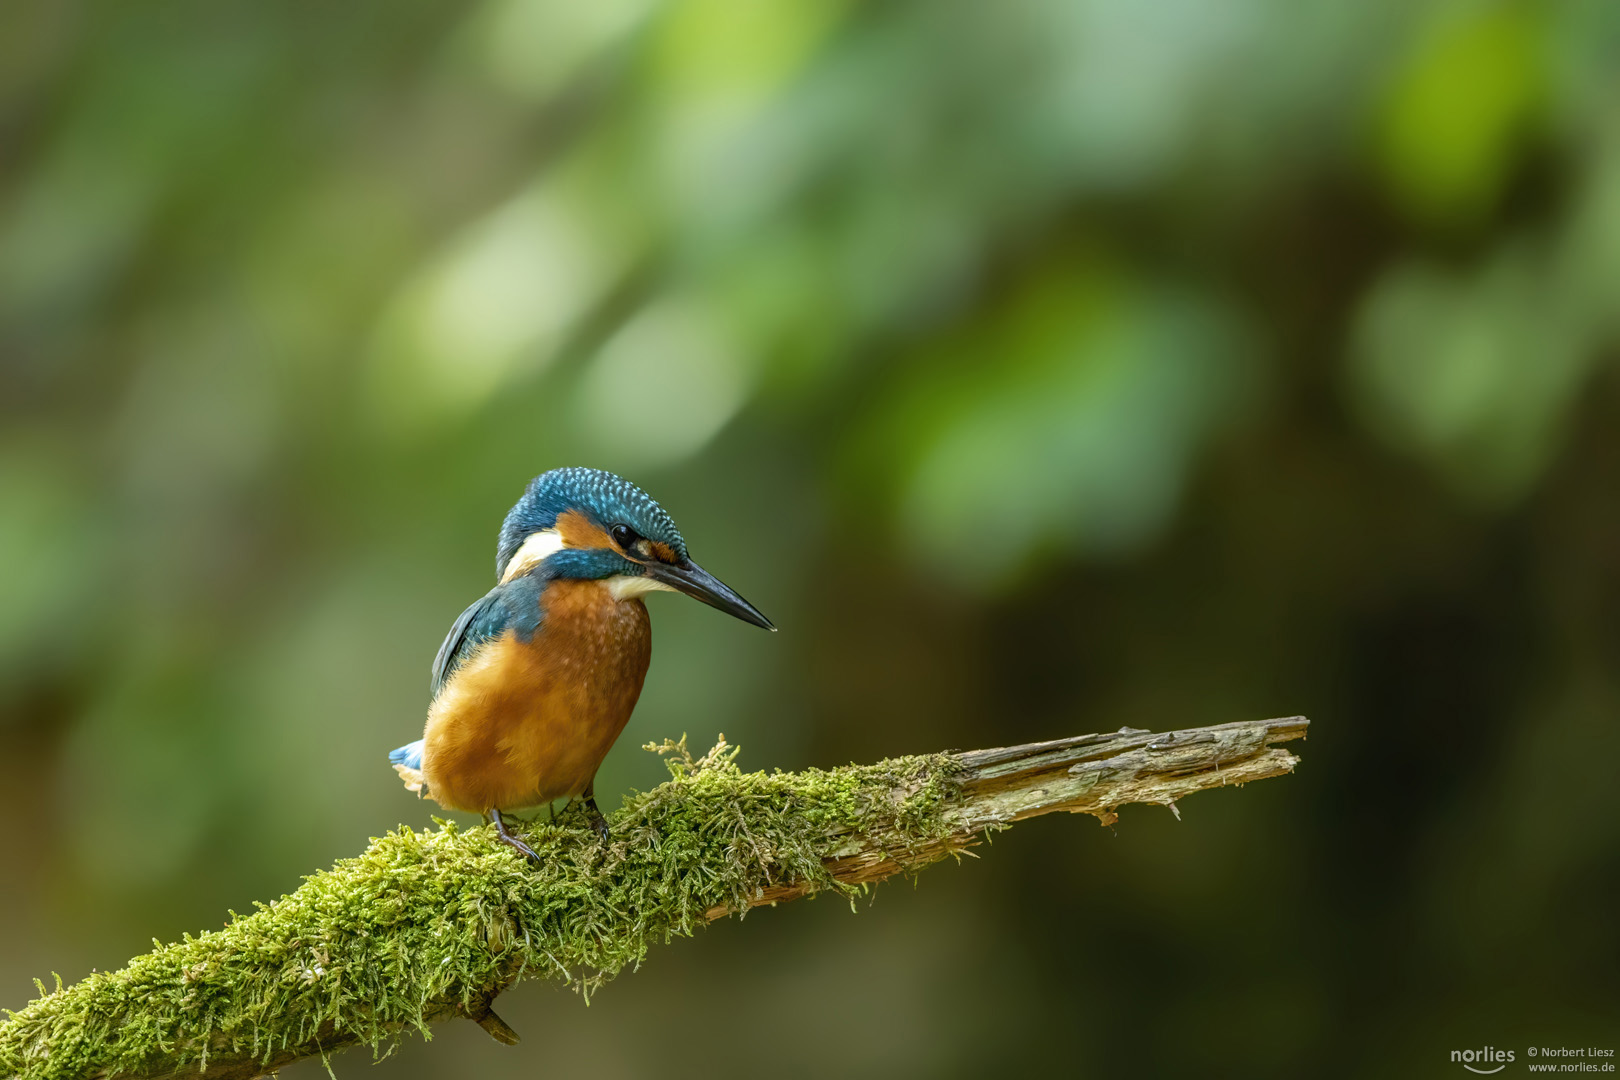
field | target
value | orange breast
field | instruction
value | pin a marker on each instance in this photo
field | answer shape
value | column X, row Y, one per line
column 522, row 723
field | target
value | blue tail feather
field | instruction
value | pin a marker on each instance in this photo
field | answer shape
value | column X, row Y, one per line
column 409, row 755
column 407, row 761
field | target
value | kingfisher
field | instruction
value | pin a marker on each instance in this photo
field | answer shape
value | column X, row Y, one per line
column 534, row 682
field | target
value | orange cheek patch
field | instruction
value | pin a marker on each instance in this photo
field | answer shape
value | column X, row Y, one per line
column 579, row 531
column 663, row 552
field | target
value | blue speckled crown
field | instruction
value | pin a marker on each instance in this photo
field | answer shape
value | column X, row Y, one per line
column 607, row 499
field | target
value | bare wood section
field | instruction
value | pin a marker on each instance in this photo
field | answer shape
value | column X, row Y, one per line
column 1084, row 774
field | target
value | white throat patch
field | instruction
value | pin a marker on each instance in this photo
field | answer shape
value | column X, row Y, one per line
column 630, row 586
column 535, row 549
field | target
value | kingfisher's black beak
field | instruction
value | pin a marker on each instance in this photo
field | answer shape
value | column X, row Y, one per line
column 690, row 578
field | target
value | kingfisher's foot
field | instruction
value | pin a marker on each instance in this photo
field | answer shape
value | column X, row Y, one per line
column 593, row 815
column 507, row 838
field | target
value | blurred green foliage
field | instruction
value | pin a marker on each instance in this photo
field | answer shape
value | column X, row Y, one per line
column 1039, row 367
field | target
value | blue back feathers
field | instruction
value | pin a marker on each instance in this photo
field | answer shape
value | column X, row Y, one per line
column 606, row 499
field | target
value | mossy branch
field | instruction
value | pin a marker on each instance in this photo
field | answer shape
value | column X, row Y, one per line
column 425, row 926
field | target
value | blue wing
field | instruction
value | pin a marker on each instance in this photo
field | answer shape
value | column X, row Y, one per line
column 514, row 605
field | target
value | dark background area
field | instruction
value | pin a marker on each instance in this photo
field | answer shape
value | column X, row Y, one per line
column 1040, row 368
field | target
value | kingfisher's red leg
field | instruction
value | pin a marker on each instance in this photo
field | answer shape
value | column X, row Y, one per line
column 507, row 838
column 593, row 814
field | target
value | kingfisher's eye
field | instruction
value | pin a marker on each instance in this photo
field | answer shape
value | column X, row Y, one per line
column 625, row 536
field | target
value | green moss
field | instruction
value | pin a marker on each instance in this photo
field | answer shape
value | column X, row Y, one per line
column 428, row 921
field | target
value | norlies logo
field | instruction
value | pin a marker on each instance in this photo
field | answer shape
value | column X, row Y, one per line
column 1480, row 1061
